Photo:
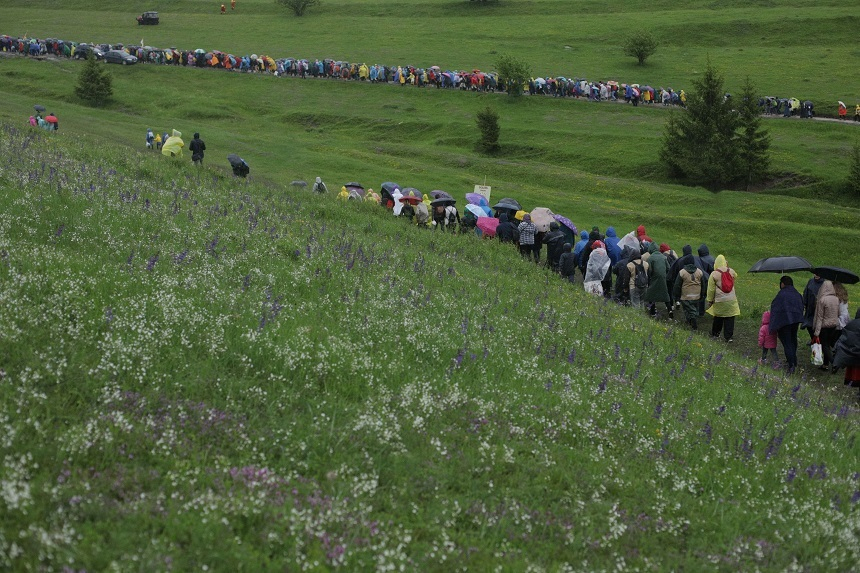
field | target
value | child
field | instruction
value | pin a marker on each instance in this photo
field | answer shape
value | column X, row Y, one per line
column 766, row 339
column 158, row 141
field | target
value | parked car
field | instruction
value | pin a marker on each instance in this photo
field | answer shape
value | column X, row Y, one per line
column 148, row 19
column 119, row 57
column 82, row 52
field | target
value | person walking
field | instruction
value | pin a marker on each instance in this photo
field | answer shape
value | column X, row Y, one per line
column 766, row 339
column 637, row 270
column 197, row 147
column 658, row 270
column 597, row 269
column 223, row 9
column 689, row 288
column 722, row 300
column 810, row 295
column 527, row 236
column 150, row 139
column 786, row 316
column 173, row 145
column 857, row 113
column 319, row 186
column 567, row 263
column 826, row 322
column 847, row 353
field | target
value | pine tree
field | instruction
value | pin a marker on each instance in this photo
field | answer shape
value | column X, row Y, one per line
column 854, row 173
column 753, row 139
column 699, row 143
column 95, row 84
column 488, row 125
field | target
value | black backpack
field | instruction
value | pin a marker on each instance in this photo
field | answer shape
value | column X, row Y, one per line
column 640, row 279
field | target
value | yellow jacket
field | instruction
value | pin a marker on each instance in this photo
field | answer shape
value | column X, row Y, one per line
column 173, row 146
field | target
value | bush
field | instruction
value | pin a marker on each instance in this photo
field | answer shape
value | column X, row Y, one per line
column 513, row 74
column 854, row 173
column 298, row 6
column 488, row 125
column 640, row 45
column 95, row 84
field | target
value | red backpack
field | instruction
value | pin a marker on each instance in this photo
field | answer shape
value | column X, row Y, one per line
column 727, row 281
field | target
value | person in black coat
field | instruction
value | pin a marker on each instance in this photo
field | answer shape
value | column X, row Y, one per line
column 506, row 231
column 786, row 315
column 554, row 241
column 621, row 294
column 197, row 147
column 847, row 354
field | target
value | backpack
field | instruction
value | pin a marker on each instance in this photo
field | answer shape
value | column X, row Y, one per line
column 727, row 282
column 640, row 279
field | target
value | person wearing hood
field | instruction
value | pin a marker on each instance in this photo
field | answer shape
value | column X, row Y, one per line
column 578, row 249
column 319, row 186
column 721, row 301
column 593, row 236
column 705, row 262
column 527, row 237
column 597, row 269
column 685, row 259
column 612, row 248
column 658, row 291
column 173, row 146
column 637, row 270
column 826, row 321
column 689, row 288
column 150, row 139
column 766, row 339
column 786, row 315
column 197, row 147
column 554, row 241
column 622, row 277
column 567, row 263
column 810, row 295
column 642, row 235
column 506, row 230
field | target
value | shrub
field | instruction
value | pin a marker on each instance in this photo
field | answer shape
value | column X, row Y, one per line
column 95, row 84
column 640, row 45
column 488, row 125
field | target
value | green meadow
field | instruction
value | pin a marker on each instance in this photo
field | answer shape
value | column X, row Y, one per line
column 205, row 373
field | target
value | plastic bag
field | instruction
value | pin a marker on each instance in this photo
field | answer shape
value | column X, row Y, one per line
column 817, row 353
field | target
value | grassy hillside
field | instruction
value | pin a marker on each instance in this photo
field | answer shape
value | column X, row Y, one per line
column 207, row 373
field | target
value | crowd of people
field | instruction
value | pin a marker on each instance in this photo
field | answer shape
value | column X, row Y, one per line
column 636, row 270
column 475, row 79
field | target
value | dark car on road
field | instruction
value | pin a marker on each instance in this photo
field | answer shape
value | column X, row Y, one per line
column 148, row 19
column 82, row 52
column 119, row 57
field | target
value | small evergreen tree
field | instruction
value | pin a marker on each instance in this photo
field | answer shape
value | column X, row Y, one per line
column 95, row 84
column 513, row 74
column 298, row 6
column 488, row 125
column 699, row 143
column 753, row 139
column 854, row 173
column 640, row 45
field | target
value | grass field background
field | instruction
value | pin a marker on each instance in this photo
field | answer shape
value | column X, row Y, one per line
column 204, row 371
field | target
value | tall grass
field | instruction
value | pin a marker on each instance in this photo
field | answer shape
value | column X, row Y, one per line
column 203, row 372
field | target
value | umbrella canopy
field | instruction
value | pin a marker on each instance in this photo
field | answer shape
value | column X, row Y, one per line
column 565, row 222
column 781, row 265
column 234, row 159
column 437, row 194
column 508, row 203
column 38, row 107
column 51, row 119
column 412, row 193
column 488, row 225
column 519, row 215
column 541, row 218
column 354, row 184
column 389, row 186
column 199, row 51
column 446, row 201
column 476, row 199
column 837, row 274
column 476, row 210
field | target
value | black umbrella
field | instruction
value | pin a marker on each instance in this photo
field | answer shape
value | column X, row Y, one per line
column 837, row 275
column 446, row 201
column 781, row 265
column 38, row 107
column 508, row 203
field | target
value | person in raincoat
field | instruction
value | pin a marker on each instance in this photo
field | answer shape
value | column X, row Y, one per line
column 173, row 146
column 658, row 270
column 344, row 194
column 597, row 269
column 554, row 241
column 422, row 215
column 150, row 139
column 197, row 147
column 579, row 251
column 689, row 288
column 506, row 231
column 843, row 111
column 635, row 270
column 567, row 263
column 722, row 305
column 847, row 353
column 826, row 321
column 319, row 186
column 857, row 113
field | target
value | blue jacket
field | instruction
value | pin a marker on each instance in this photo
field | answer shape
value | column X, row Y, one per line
column 580, row 248
column 612, row 248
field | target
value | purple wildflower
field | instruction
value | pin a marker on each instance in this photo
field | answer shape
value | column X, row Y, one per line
column 151, row 263
column 792, row 473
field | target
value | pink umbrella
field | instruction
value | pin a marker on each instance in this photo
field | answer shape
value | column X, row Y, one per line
column 488, row 226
